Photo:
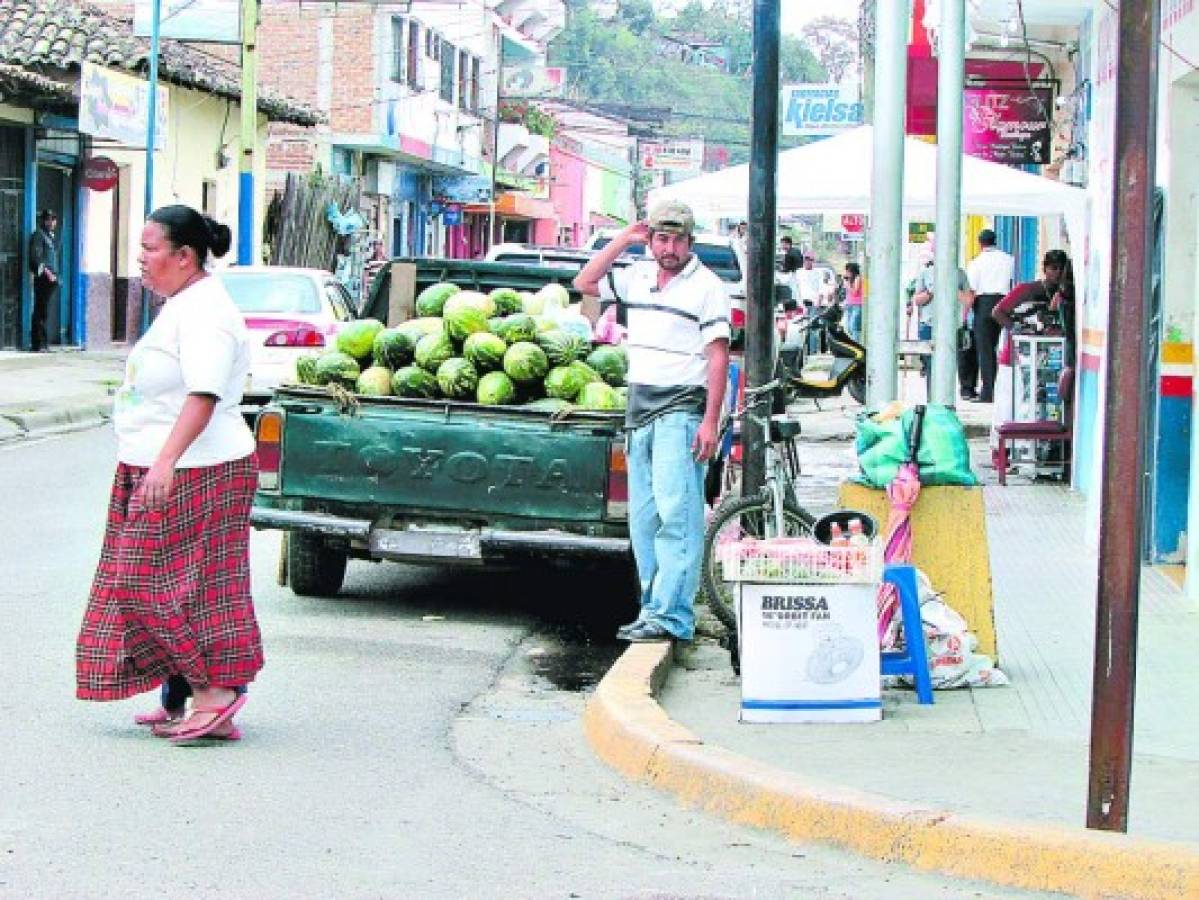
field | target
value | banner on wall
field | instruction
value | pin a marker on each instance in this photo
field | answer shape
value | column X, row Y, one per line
column 672, row 156
column 116, row 106
column 463, row 188
column 530, row 82
column 1008, row 124
column 820, row 109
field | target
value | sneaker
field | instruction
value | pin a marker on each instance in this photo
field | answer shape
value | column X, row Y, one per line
column 648, row 632
column 623, row 630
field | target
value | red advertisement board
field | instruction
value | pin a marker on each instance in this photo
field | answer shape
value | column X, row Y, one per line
column 1008, row 124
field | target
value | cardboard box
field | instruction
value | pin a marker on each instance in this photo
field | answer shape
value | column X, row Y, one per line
column 809, row 653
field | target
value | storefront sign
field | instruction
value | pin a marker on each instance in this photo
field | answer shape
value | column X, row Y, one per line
column 210, row 21
column 532, row 81
column 100, row 174
column 1010, row 125
column 672, row 156
column 820, row 109
column 116, row 106
column 452, row 215
column 853, row 223
column 463, row 188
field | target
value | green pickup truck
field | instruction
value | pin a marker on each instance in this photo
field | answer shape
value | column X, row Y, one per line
column 442, row 482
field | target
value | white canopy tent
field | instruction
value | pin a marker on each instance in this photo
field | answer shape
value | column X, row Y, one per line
column 833, row 175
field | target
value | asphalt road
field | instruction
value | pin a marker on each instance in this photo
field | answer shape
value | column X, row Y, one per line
column 406, row 740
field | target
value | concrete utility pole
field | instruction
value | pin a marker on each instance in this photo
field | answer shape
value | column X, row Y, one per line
column 1121, row 506
column 249, row 132
column 947, row 311
column 886, row 200
column 763, row 218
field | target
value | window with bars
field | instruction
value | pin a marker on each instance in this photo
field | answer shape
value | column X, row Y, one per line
column 474, row 84
column 447, row 72
column 399, row 49
column 463, row 80
column 413, row 71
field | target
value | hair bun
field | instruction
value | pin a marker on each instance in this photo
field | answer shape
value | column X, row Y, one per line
column 222, row 237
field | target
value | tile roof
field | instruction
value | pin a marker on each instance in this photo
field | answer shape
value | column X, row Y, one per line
column 42, row 36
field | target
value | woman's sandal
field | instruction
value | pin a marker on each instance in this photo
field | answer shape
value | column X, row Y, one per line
column 220, row 714
column 160, row 716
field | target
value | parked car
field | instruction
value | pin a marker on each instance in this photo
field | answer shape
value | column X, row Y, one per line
column 534, row 255
column 287, row 312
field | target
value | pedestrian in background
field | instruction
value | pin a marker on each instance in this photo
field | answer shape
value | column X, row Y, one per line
column 991, row 274
column 678, row 345
column 43, row 264
column 922, row 298
column 171, row 596
column 853, row 300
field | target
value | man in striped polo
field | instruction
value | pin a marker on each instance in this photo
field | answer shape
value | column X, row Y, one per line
column 678, row 346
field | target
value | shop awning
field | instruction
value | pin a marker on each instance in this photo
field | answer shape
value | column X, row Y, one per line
column 516, row 206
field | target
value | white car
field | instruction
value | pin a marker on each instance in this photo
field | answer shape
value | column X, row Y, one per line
column 288, row 312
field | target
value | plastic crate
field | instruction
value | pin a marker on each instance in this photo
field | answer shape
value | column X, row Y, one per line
column 799, row 561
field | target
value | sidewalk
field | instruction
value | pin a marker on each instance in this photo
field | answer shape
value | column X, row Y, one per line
column 63, row 390
column 1014, row 758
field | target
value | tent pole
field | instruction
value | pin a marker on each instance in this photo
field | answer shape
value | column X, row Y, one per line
column 947, row 314
column 886, row 200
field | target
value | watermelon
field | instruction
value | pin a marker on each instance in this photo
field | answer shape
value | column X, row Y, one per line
column 585, row 373
column 306, row 368
column 457, row 379
column 426, row 325
column 375, row 382
column 358, row 338
column 394, row 347
column 545, row 323
column 431, row 300
column 496, row 389
column 599, row 396
column 518, row 328
column 506, row 300
column 462, row 323
column 562, row 347
column 532, row 304
column 485, row 350
column 413, row 381
column 548, row 404
column 469, row 300
column 563, row 383
column 611, row 363
column 553, row 295
column 525, row 362
column 336, row 367
column 432, row 350
column 494, row 324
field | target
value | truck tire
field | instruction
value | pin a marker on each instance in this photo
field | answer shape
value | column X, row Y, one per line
column 314, row 568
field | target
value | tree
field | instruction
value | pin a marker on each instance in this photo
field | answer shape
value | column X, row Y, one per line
column 638, row 15
column 834, row 41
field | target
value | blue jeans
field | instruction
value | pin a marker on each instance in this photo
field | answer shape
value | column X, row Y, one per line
column 666, row 519
column 853, row 321
column 925, row 333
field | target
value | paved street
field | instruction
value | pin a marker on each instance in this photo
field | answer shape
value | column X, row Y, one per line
column 404, row 741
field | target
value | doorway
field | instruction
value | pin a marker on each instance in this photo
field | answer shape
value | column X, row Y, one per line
column 12, row 202
column 55, row 192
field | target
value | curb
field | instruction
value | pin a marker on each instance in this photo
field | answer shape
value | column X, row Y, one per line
column 629, row 730
column 15, row 426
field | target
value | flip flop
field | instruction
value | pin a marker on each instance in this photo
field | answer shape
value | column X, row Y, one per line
column 221, row 714
column 234, row 734
column 160, row 716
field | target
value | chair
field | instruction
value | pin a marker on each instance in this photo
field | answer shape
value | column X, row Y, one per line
column 1041, row 430
column 913, row 658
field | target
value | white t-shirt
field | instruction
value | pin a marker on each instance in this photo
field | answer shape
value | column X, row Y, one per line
column 197, row 345
column 669, row 328
column 991, row 272
column 809, row 283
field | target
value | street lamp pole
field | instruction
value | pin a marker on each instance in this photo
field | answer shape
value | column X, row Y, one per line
column 763, row 208
column 886, row 200
column 947, row 313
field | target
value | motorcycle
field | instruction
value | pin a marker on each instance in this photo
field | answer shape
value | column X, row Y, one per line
column 849, row 359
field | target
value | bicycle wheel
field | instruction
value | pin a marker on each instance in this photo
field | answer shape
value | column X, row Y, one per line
column 734, row 519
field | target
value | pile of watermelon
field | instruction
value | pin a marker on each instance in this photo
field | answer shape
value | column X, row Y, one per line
column 477, row 348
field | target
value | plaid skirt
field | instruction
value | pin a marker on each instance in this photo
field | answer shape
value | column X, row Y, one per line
column 171, row 595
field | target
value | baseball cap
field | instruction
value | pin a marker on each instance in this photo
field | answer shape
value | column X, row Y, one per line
column 671, row 217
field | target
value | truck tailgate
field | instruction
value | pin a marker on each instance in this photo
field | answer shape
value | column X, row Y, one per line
column 464, row 460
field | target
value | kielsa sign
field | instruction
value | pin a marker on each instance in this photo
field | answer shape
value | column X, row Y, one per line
column 1008, row 124
column 820, row 109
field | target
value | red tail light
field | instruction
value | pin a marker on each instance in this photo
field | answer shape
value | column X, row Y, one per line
column 618, row 481
column 737, row 318
column 297, row 337
column 269, row 432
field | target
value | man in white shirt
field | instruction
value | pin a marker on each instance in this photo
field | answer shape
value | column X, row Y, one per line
column 678, row 346
column 990, row 275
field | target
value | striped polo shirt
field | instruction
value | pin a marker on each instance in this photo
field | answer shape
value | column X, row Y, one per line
column 669, row 328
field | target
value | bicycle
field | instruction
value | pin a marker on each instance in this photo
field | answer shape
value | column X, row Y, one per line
column 773, row 512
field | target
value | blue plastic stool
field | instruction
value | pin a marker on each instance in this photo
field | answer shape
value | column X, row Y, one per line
column 913, row 659
column 734, row 382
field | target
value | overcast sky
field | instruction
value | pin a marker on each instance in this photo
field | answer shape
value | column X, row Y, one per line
column 797, row 13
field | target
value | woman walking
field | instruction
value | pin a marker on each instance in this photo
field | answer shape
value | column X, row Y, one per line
column 171, row 597
column 853, row 300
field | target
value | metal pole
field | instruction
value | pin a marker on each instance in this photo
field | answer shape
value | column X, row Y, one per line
column 151, row 137
column 763, row 218
column 1124, row 405
column 947, row 311
column 495, row 137
column 886, row 200
column 249, row 132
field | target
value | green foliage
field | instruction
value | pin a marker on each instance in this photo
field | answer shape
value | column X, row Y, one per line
column 619, row 61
